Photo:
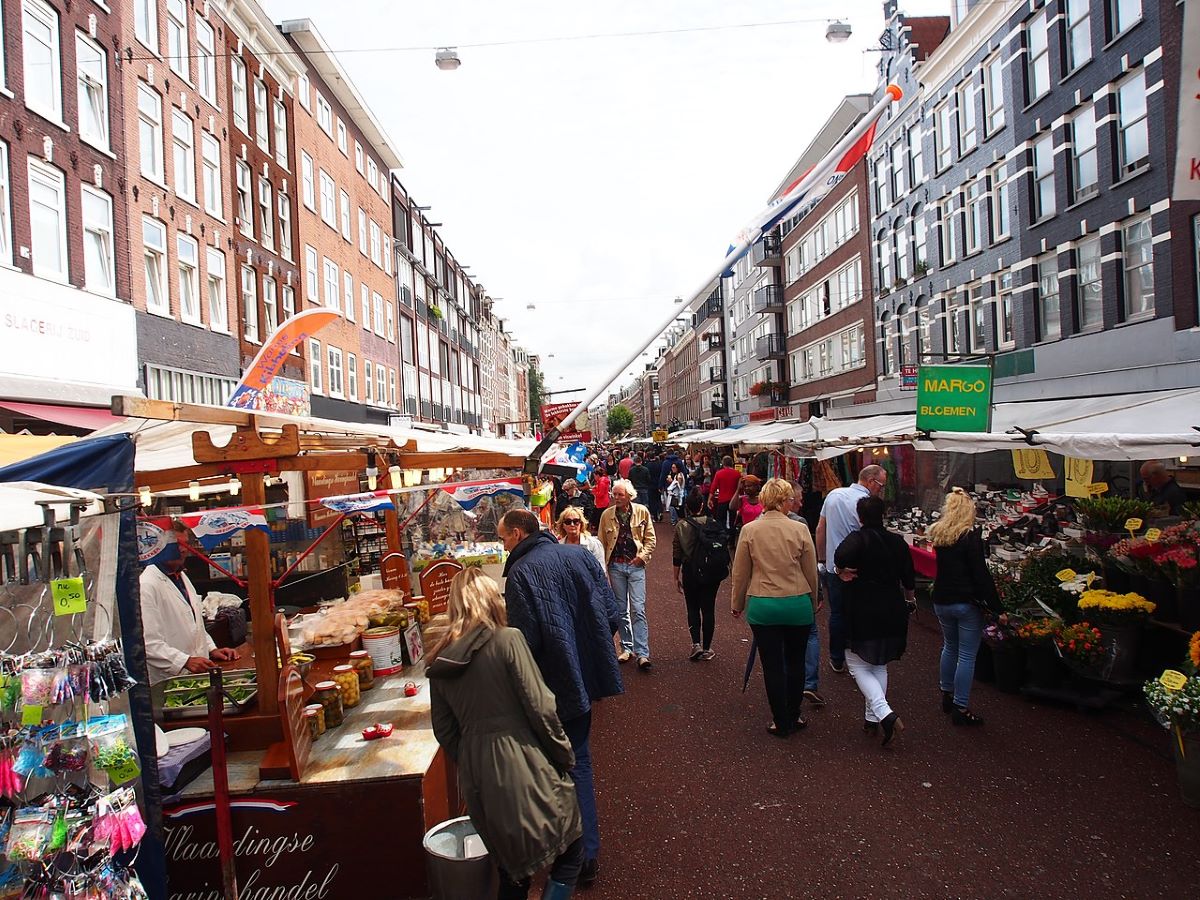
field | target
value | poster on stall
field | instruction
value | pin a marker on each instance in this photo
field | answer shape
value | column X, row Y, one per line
column 553, row 413
column 1032, row 465
column 435, row 584
column 1079, row 476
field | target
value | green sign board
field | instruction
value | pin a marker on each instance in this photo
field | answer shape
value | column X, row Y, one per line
column 954, row 398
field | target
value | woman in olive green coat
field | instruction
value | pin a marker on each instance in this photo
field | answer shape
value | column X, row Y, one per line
column 496, row 719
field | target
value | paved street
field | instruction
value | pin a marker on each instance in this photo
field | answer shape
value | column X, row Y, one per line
column 697, row 801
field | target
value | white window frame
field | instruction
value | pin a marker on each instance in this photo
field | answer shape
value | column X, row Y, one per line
column 993, row 94
column 351, row 377
column 287, row 300
column 249, row 297
column 216, row 290
column 365, row 297
column 206, row 61
column 183, row 155
column 376, row 235
column 1049, row 321
column 1001, row 212
column 336, row 380
column 150, row 133
column 1084, row 144
column 285, row 225
column 372, row 171
column 279, row 123
column 50, row 179
column 1143, row 264
column 92, row 92
column 270, row 300
column 145, row 23
column 315, row 367
column 6, row 233
column 1045, row 203
column 1077, row 24
column 39, row 13
column 266, row 209
column 968, row 119
column 241, row 97
column 377, row 313
column 358, row 157
column 1132, row 120
column 154, row 260
column 389, row 330
column 324, row 115
column 178, row 52
column 244, row 189
column 943, row 136
column 1089, row 295
column 342, row 138
column 312, row 274
column 210, row 161
column 348, row 295
column 362, row 231
column 1006, row 324
column 1122, row 16
column 304, row 91
column 308, row 189
column 1037, row 66
column 368, row 381
column 187, row 264
column 344, row 201
column 329, row 213
column 100, row 232
column 262, row 125
column 332, row 284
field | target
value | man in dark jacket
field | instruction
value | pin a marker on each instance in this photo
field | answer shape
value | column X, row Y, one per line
column 571, row 495
column 560, row 599
column 654, row 466
column 639, row 476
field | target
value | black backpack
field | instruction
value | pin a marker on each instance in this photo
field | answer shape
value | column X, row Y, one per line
column 709, row 560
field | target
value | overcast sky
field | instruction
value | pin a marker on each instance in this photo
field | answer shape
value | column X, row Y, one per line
column 597, row 179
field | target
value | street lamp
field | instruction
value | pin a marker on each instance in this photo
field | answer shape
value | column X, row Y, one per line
column 447, row 59
column 838, row 32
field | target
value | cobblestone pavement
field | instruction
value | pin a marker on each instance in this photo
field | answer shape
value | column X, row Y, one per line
column 696, row 800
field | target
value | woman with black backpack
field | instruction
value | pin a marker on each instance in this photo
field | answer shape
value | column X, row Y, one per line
column 700, row 554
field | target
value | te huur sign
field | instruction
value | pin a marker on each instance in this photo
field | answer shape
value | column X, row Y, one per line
column 954, row 398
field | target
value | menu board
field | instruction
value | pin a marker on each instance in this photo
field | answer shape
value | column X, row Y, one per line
column 319, row 485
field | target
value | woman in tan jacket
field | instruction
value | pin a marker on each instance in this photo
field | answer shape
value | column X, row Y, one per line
column 775, row 582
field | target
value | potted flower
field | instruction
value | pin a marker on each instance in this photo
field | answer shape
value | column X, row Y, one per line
column 1081, row 646
column 1166, row 569
column 1122, row 616
column 1105, row 518
column 1174, row 700
column 1008, row 657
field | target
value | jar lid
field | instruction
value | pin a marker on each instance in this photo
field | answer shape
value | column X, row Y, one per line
column 325, row 686
column 358, row 654
column 311, row 712
column 314, row 706
column 342, row 668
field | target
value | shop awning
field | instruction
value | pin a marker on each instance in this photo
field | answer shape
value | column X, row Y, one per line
column 89, row 418
column 16, row 447
column 19, row 503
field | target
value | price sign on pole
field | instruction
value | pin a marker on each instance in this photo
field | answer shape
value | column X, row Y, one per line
column 68, row 596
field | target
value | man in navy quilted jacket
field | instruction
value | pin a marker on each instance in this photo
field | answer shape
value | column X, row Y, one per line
column 560, row 599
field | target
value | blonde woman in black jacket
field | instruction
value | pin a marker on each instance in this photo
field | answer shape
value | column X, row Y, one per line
column 962, row 590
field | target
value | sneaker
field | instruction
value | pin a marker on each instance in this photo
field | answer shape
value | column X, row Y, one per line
column 840, row 668
column 588, row 872
column 644, row 663
column 707, row 655
column 697, row 652
column 814, row 698
column 624, row 656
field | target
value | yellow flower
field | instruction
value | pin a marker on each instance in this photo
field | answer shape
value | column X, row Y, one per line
column 1110, row 601
column 1194, row 650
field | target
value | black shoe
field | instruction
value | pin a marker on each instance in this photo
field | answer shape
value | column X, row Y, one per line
column 871, row 728
column 588, row 872
column 963, row 716
column 947, row 701
column 891, row 724
column 814, row 699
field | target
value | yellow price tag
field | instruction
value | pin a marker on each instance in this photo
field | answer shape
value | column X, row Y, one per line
column 1153, row 534
column 31, row 715
column 1172, row 680
column 68, row 596
column 1100, row 487
column 1065, row 575
column 1091, row 576
column 1133, row 524
column 127, row 771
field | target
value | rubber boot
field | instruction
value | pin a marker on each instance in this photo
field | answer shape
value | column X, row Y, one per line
column 555, row 890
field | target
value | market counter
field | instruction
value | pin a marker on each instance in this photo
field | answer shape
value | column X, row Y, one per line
column 325, row 832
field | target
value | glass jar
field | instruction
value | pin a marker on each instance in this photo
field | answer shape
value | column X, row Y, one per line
column 329, row 696
column 310, row 719
column 320, row 712
column 346, row 678
column 361, row 660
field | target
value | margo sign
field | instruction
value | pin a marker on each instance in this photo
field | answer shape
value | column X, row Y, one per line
column 954, row 398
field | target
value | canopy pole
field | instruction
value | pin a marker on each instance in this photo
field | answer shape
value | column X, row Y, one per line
column 262, row 600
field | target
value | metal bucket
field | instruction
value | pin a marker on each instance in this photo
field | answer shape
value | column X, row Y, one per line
column 460, row 867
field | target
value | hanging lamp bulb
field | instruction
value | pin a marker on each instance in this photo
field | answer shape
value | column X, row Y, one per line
column 235, row 486
column 144, row 496
column 194, row 490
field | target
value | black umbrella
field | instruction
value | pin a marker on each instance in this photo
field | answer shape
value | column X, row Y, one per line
column 749, row 665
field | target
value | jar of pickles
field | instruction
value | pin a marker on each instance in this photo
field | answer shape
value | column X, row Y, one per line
column 310, row 719
column 329, row 695
column 320, row 714
column 346, row 678
column 361, row 660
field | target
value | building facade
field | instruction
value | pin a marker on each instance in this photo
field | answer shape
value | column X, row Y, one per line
column 679, row 379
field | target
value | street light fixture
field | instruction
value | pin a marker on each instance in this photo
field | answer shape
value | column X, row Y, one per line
column 447, row 59
column 838, row 32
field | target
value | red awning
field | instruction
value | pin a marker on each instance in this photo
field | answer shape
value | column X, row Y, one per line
column 88, row 417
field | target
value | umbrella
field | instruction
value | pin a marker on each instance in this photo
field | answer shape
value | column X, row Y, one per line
column 749, row 665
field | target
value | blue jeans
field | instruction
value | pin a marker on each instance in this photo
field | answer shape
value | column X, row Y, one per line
column 578, row 733
column 812, row 660
column 629, row 585
column 962, row 630
column 837, row 621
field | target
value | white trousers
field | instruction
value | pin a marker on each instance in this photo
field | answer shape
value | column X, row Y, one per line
column 872, row 682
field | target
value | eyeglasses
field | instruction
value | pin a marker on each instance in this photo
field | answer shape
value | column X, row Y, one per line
column 572, row 521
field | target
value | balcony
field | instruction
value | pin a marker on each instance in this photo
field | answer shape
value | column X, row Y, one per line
column 719, row 408
column 711, row 309
column 773, row 397
column 716, row 375
column 768, row 299
column 770, row 346
column 406, row 296
column 768, row 251
column 715, row 340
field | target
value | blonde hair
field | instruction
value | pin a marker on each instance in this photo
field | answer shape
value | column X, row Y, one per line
column 475, row 599
column 775, row 493
column 626, row 485
column 958, row 517
column 561, row 531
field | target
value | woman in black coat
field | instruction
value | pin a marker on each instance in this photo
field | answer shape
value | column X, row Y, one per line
column 878, row 596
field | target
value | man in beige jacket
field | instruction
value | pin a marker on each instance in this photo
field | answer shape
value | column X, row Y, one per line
column 627, row 533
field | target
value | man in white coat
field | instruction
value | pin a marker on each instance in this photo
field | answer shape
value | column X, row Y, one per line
column 173, row 623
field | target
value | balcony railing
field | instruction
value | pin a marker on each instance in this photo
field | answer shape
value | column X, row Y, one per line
column 777, row 397
column 770, row 346
column 719, row 408
column 716, row 375
column 406, row 296
column 711, row 309
column 767, row 252
column 715, row 340
column 767, row 299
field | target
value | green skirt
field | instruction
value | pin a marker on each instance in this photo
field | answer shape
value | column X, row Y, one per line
column 794, row 610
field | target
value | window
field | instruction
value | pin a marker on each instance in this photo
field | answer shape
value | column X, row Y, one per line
column 266, row 204
column 309, row 192
column 311, row 275
column 949, row 235
column 916, row 166
column 1089, row 311
column 261, row 129
column 289, row 304
column 177, row 38
column 210, row 154
column 244, row 201
column 324, row 115
column 154, row 243
column 341, row 138
column 328, row 201
column 187, row 253
column 332, row 285
column 993, row 95
column 183, row 155
column 1049, row 320
column 145, row 22
column 1005, row 322
column 880, row 178
column 249, row 305
column 977, row 318
column 392, row 386
column 967, row 123
column 896, row 167
column 358, row 157
column 377, row 314
column 976, row 211
column 362, row 231
column 1001, row 215
column 206, row 61
column 1084, row 168
column 919, row 242
column 372, row 171
column 43, row 76
column 98, row 260
column 1079, row 33
column 314, row 366
column 344, row 198
column 1132, row 135
column 91, row 65
column 237, row 82
column 304, row 91
column 885, row 338
column 1139, row 269
column 952, row 341
column 376, row 244
column 366, row 307
column 348, row 296
column 1122, row 14
column 218, row 304
column 281, row 143
column 1038, row 62
column 943, row 136
column 270, row 306
column 389, row 312
column 48, row 220
column 903, row 336
column 285, row 226
column 352, row 377
column 5, row 206
column 368, row 380
column 335, row 372
column 380, row 390
column 1043, row 178
column 922, row 328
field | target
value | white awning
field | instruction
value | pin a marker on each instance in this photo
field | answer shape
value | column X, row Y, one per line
column 19, row 503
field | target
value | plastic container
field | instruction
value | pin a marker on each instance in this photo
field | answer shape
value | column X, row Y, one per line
column 458, row 863
column 361, row 661
column 330, row 697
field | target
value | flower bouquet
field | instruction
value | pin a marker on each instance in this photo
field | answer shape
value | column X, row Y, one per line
column 1114, row 608
column 1081, row 645
column 1038, row 632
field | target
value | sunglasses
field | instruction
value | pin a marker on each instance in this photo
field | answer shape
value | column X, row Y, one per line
column 572, row 521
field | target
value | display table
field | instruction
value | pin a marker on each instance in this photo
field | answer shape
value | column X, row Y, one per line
column 924, row 561
column 351, row 827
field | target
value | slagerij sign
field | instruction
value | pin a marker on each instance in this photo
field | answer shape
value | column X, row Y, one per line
column 954, row 398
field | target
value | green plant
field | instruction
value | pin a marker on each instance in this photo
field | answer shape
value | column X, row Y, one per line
column 620, row 420
column 1191, row 511
column 1110, row 513
column 435, row 312
column 1175, row 709
column 1036, row 579
column 1081, row 644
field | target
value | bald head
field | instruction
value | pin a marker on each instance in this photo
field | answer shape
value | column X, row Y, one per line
column 873, row 478
column 1154, row 473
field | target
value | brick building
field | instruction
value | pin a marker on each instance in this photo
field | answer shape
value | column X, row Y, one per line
column 679, row 380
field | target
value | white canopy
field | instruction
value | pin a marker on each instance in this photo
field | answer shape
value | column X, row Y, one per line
column 19, row 503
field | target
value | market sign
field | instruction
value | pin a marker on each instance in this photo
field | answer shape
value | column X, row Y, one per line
column 553, row 413
column 435, row 584
column 660, row 436
column 319, row 485
column 908, row 378
column 954, row 398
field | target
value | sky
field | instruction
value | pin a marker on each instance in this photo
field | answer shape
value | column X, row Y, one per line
column 596, row 180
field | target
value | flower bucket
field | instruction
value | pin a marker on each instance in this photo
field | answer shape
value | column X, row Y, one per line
column 1008, row 665
column 1187, row 766
column 985, row 672
column 1162, row 593
column 1046, row 667
column 1116, row 579
column 1189, row 608
column 1121, row 643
